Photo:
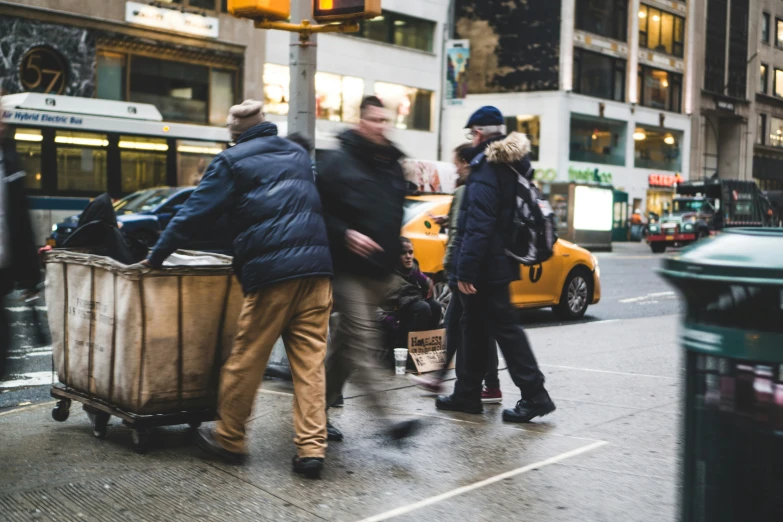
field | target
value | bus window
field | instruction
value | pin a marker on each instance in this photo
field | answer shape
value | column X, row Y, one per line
column 142, row 162
column 81, row 161
column 28, row 146
column 193, row 158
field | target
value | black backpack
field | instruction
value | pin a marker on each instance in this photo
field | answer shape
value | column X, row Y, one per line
column 533, row 232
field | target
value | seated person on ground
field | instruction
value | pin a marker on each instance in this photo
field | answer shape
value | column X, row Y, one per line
column 410, row 305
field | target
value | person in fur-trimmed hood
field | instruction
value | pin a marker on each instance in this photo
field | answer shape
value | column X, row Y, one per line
column 484, row 271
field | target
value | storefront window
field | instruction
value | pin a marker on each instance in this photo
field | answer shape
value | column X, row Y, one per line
column 597, row 140
column 337, row 97
column 776, row 132
column 28, row 147
column 660, row 89
column 661, row 31
column 399, row 29
column 657, row 148
column 142, row 163
column 193, row 158
column 530, row 126
column 179, row 90
column 763, row 78
column 411, row 107
column 599, row 75
column 604, row 17
column 81, row 161
column 111, row 76
column 221, row 96
column 277, row 84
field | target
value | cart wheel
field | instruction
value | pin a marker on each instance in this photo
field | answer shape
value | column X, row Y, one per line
column 61, row 412
column 194, row 425
column 141, row 440
column 100, row 423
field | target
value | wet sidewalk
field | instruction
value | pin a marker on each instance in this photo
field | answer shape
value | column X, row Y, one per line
column 608, row 453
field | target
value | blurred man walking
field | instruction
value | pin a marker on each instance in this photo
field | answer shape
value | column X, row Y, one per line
column 363, row 190
column 19, row 263
column 281, row 255
column 484, row 271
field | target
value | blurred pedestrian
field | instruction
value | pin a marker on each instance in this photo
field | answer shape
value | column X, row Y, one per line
column 281, row 255
column 19, row 265
column 363, row 190
column 484, row 271
column 491, row 393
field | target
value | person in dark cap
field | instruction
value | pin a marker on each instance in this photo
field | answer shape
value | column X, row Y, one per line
column 484, row 271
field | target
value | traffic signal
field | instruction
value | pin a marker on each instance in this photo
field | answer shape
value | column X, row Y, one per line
column 269, row 9
column 342, row 10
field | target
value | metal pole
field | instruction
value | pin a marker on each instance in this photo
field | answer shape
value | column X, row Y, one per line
column 303, row 64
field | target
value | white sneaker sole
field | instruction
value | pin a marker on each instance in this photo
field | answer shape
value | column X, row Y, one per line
column 492, row 401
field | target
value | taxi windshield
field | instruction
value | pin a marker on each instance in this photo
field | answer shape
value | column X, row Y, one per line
column 691, row 205
column 413, row 208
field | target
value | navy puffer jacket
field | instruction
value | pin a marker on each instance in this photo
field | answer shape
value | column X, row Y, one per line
column 487, row 212
column 265, row 184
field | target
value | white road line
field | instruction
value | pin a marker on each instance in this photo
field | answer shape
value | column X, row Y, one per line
column 28, row 379
column 649, row 297
column 628, row 374
column 20, row 309
column 492, row 480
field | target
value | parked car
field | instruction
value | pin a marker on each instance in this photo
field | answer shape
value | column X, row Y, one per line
column 145, row 214
column 568, row 283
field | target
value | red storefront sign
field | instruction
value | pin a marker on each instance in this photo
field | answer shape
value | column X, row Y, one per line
column 664, row 180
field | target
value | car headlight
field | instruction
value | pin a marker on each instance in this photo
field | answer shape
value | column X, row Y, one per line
column 54, row 228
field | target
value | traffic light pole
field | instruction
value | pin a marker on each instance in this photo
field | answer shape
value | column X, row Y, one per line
column 303, row 61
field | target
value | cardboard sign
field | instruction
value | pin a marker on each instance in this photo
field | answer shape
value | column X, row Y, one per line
column 428, row 350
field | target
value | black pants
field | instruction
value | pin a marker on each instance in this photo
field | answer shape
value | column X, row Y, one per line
column 487, row 314
column 420, row 316
column 454, row 341
column 5, row 336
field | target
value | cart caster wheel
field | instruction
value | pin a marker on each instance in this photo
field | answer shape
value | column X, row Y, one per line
column 62, row 411
column 194, row 425
column 141, row 441
column 100, row 424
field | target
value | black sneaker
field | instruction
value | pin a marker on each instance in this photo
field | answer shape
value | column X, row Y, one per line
column 404, row 429
column 205, row 439
column 453, row 403
column 527, row 410
column 310, row 467
column 333, row 434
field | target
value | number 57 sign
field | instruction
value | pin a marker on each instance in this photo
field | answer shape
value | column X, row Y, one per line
column 44, row 70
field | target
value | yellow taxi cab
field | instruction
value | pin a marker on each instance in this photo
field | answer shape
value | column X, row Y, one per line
column 568, row 283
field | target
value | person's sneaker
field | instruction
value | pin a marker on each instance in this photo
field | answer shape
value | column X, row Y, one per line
column 430, row 384
column 404, row 429
column 453, row 403
column 527, row 410
column 310, row 467
column 205, row 439
column 491, row 395
column 333, row 434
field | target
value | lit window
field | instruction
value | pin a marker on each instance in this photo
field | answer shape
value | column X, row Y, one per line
column 661, row 31
column 399, row 29
column 660, row 89
column 659, row 149
column 778, row 87
column 277, row 83
column 81, row 161
column 28, row 147
column 776, row 132
column 411, row 107
column 763, row 78
column 778, row 32
column 142, row 163
column 597, row 140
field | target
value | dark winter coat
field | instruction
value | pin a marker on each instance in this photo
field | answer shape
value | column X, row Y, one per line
column 24, row 268
column 265, row 185
column 487, row 212
column 363, row 188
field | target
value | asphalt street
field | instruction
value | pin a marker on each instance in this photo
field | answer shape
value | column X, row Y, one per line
column 630, row 289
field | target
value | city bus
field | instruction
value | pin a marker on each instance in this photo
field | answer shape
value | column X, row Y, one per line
column 73, row 149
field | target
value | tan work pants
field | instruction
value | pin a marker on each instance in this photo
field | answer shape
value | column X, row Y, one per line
column 299, row 311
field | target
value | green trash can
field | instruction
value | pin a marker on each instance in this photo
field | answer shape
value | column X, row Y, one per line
column 732, row 468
